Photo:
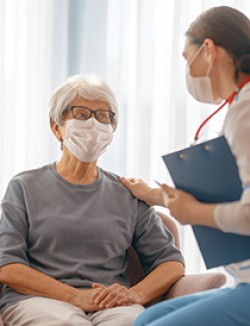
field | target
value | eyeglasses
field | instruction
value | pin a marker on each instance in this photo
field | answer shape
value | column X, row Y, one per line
column 83, row 113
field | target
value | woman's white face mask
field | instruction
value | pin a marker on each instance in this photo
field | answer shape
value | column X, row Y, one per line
column 87, row 140
column 200, row 87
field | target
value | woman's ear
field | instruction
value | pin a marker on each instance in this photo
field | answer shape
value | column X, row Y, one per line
column 210, row 49
column 56, row 129
column 57, row 132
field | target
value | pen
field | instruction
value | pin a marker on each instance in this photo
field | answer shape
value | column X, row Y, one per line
column 158, row 183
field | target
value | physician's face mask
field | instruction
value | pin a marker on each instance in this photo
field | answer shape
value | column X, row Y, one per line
column 87, row 140
column 200, row 87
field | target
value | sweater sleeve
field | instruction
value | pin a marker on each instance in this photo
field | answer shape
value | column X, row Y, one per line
column 153, row 242
column 13, row 226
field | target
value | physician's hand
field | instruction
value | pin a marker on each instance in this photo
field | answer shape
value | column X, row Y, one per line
column 181, row 204
column 187, row 209
column 141, row 190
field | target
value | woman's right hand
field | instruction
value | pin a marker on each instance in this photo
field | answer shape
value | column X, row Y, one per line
column 85, row 299
column 142, row 191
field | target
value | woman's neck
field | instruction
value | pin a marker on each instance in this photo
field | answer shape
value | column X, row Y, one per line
column 242, row 78
column 225, row 82
column 75, row 171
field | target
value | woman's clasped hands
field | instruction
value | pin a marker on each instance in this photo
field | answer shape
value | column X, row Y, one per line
column 103, row 297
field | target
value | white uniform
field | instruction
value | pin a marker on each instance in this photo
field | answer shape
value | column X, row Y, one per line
column 235, row 216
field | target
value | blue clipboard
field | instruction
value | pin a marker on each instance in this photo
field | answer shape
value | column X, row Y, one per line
column 209, row 172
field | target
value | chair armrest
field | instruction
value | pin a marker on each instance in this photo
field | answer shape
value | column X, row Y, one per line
column 195, row 283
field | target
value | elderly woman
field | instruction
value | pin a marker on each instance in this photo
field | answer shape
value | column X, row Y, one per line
column 66, row 227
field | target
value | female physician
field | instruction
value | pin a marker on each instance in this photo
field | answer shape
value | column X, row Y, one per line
column 217, row 51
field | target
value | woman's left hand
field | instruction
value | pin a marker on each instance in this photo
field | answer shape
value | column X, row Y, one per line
column 113, row 296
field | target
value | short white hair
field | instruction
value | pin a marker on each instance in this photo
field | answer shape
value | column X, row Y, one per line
column 89, row 87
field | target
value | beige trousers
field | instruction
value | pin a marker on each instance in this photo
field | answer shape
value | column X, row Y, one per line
column 39, row 311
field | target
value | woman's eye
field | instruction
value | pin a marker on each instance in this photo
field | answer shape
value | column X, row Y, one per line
column 81, row 115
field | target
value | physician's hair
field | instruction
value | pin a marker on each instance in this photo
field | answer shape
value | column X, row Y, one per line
column 89, row 87
column 228, row 28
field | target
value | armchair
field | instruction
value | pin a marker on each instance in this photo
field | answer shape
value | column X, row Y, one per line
column 188, row 283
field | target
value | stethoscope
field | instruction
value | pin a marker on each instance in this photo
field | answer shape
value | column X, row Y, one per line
column 229, row 101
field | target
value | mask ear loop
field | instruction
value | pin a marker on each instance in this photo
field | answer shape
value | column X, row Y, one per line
column 196, row 55
column 209, row 69
column 210, row 65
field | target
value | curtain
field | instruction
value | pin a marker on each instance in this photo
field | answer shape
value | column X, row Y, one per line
column 136, row 46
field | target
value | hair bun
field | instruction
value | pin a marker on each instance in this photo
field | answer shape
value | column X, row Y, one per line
column 244, row 63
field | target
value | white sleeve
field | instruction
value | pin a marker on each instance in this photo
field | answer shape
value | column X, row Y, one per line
column 235, row 216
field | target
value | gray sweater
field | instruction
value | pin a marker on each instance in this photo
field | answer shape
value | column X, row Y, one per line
column 78, row 234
